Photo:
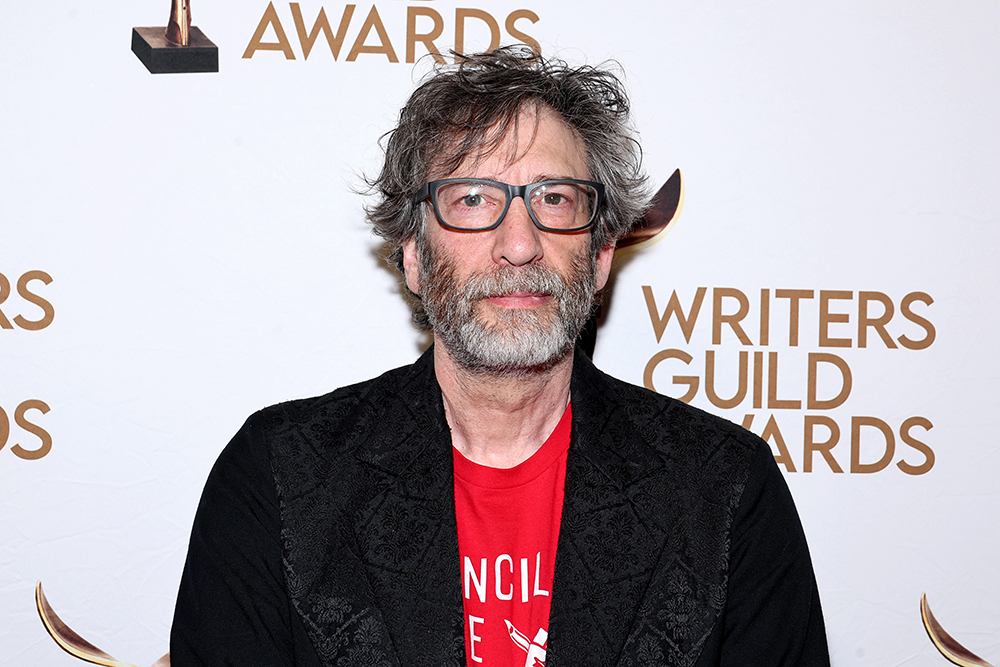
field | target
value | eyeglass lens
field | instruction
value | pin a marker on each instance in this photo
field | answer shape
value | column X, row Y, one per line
column 477, row 205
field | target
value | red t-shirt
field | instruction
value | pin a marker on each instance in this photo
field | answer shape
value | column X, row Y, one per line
column 508, row 528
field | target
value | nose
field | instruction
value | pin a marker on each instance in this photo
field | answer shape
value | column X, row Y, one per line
column 517, row 241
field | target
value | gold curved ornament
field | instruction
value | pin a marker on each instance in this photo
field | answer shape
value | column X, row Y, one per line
column 944, row 642
column 73, row 643
column 659, row 219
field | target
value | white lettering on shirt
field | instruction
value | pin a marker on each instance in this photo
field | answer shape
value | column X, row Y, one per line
column 524, row 580
column 473, row 637
column 504, row 582
column 510, row 563
column 538, row 568
column 480, row 581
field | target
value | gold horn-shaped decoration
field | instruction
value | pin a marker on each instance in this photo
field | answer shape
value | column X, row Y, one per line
column 73, row 643
column 659, row 219
column 179, row 25
column 945, row 643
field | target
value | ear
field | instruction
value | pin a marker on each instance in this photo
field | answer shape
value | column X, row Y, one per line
column 604, row 257
column 411, row 265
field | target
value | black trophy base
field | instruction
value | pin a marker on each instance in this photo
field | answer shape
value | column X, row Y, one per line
column 161, row 57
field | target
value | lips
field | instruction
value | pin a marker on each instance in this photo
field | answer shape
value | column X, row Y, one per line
column 533, row 282
column 519, row 299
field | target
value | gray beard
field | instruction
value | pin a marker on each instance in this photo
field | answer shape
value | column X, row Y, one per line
column 520, row 341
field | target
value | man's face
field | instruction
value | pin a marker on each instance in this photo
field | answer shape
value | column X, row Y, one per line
column 515, row 297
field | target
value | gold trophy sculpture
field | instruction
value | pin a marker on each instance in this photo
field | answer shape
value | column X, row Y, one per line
column 651, row 228
column 659, row 219
column 179, row 27
column 178, row 48
column 944, row 642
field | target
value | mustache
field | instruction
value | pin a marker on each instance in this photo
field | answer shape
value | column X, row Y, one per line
column 501, row 281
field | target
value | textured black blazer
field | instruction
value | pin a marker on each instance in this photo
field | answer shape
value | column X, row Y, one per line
column 679, row 543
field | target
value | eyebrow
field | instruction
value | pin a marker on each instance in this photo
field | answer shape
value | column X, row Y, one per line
column 538, row 178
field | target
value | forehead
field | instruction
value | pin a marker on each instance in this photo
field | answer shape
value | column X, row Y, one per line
column 538, row 143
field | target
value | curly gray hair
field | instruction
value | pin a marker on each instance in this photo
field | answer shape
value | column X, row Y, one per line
column 464, row 111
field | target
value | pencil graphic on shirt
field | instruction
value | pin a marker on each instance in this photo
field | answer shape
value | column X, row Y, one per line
column 534, row 648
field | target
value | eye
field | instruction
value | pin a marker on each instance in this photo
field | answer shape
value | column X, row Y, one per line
column 554, row 196
column 468, row 198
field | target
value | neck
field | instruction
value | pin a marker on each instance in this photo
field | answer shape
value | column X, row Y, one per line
column 501, row 420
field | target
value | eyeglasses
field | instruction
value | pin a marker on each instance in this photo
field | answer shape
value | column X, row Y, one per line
column 477, row 205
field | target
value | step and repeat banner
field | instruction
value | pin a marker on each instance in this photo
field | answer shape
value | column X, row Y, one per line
column 179, row 250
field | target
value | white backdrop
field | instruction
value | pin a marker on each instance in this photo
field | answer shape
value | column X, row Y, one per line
column 189, row 249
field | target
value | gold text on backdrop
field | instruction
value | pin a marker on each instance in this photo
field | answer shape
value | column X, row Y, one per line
column 424, row 26
column 751, row 381
column 26, row 303
column 21, row 420
column 25, row 294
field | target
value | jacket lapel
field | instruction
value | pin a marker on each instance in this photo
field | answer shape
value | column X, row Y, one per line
column 367, row 502
column 608, row 546
column 406, row 531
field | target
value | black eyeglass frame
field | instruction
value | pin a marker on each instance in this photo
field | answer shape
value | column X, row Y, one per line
column 430, row 190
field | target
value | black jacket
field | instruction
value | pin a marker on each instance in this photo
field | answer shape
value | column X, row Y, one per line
column 326, row 536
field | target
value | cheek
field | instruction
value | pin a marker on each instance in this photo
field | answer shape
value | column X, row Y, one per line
column 465, row 252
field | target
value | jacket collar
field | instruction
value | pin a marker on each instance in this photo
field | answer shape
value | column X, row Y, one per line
column 604, row 555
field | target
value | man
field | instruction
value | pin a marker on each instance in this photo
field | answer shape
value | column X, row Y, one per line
column 500, row 502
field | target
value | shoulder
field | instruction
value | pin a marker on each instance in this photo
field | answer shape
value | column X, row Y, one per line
column 373, row 428
column 670, row 427
column 326, row 417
